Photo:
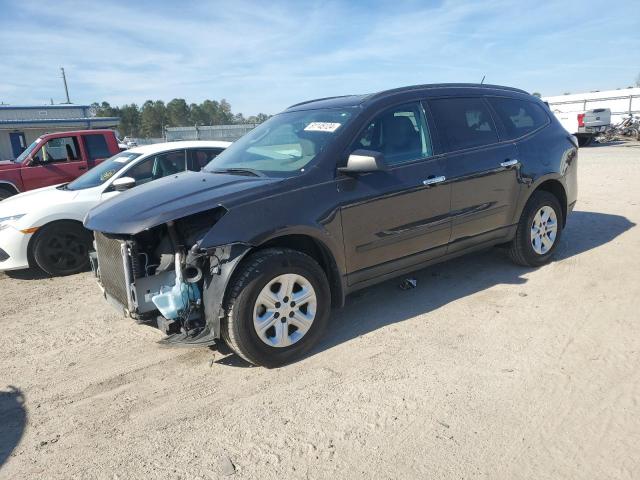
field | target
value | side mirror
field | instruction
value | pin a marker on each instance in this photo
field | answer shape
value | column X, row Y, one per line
column 123, row 183
column 361, row 161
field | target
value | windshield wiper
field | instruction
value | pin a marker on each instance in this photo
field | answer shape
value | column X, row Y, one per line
column 239, row 171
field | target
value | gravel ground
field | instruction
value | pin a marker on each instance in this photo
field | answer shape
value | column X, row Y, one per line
column 485, row 370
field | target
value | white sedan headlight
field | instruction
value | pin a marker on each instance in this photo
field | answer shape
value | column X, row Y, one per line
column 6, row 221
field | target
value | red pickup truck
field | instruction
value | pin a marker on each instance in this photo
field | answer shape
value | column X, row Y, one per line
column 56, row 158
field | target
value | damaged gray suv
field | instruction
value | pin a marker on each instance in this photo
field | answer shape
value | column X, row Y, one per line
column 330, row 196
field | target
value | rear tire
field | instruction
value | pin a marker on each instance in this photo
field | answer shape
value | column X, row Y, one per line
column 537, row 237
column 584, row 140
column 262, row 323
column 62, row 248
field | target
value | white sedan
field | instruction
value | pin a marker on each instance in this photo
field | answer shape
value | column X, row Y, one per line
column 43, row 227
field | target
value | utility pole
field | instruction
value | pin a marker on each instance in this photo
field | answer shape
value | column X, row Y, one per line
column 66, row 89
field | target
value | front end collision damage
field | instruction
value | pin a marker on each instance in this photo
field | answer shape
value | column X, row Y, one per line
column 169, row 279
column 198, row 323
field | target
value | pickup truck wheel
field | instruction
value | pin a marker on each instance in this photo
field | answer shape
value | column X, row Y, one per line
column 584, row 140
column 6, row 193
column 539, row 231
column 62, row 248
column 277, row 307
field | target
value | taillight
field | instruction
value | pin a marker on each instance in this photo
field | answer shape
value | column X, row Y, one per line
column 581, row 119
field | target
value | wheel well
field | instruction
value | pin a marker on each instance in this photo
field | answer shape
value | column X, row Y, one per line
column 7, row 187
column 556, row 188
column 30, row 257
column 319, row 252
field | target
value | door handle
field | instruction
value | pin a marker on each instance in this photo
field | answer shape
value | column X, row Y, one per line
column 509, row 163
column 82, row 168
column 434, row 180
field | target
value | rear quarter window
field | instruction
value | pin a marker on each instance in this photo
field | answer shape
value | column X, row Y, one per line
column 464, row 122
column 96, row 147
column 518, row 117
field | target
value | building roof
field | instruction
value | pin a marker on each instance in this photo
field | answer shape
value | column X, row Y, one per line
column 108, row 120
column 41, row 107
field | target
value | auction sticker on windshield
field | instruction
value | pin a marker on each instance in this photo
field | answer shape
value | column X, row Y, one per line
column 322, row 127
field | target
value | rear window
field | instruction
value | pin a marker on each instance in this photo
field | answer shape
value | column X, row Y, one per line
column 464, row 122
column 519, row 117
column 96, row 146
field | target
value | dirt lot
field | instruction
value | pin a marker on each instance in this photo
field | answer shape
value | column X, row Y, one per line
column 485, row 370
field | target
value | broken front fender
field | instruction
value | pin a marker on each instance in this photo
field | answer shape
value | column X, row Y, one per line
column 222, row 263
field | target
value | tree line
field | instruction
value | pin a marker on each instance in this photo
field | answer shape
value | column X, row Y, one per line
column 150, row 119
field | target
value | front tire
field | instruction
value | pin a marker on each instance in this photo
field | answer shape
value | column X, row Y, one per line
column 62, row 248
column 263, row 323
column 539, row 231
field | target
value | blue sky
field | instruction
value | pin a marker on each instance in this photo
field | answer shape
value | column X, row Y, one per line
column 264, row 56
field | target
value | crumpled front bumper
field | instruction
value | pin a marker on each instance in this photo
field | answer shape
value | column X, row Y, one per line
column 220, row 265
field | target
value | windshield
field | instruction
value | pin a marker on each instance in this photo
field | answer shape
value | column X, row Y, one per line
column 283, row 145
column 103, row 172
column 21, row 158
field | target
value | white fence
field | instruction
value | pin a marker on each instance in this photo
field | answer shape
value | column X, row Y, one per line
column 148, row 141
column 229, row 133
column 211, row 132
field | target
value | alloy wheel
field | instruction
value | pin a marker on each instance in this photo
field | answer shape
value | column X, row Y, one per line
column 65, row 251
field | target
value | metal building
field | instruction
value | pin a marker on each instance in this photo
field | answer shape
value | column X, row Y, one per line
column 21, row 125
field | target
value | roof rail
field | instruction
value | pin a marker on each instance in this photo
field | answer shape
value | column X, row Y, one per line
column 318, row 100
column 445, row 85
column 410, row 88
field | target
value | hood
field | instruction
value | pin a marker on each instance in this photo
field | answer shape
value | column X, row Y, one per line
column 171, row 198
column 9, row 165
column 33, row 200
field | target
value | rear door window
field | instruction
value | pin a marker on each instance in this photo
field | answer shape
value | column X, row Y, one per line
column 519, row 117
column 464, row 122
column 201, row 156
column 96, row 147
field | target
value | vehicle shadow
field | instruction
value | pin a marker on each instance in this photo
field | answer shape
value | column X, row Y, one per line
column 13, row 420
column 612, row 143
column 441, row 284
column 27, row 274
column 385, row 304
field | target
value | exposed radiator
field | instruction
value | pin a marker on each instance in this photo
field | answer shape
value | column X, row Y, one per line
column 111, row 265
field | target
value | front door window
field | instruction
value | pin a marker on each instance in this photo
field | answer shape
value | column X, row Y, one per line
column 63, row 149
column 158, row 166
column 399, row 133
